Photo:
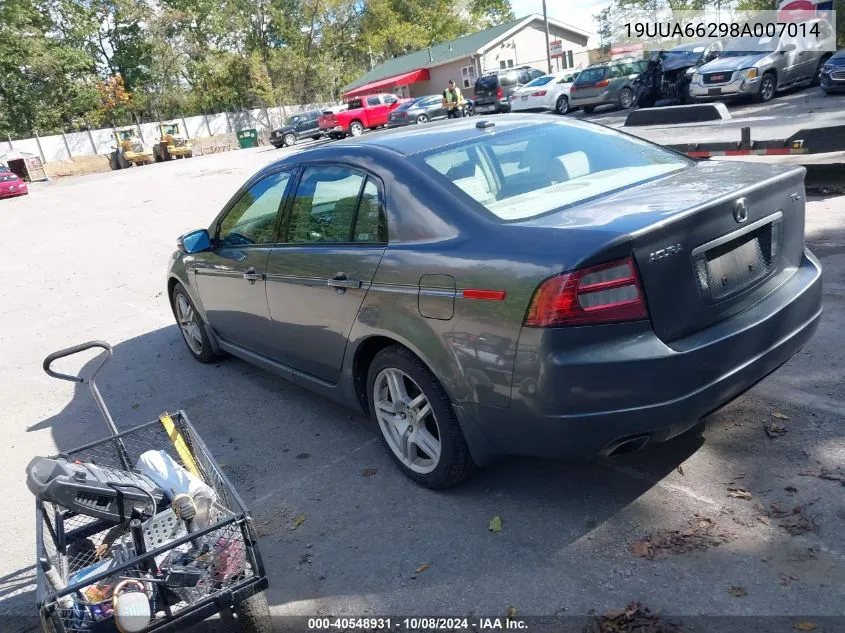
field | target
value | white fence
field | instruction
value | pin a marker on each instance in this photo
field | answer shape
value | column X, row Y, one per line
column 90, row 143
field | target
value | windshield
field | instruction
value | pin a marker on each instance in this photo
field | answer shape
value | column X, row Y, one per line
column 540, row 81
column 171, row 129
column 749, row 45
column 412, row 104
column 521, row 174
column 679, row 57
column 7, row 177
column 590, row 76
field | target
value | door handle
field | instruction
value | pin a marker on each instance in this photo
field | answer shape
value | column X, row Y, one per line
column 340, row 280
column 251, row 276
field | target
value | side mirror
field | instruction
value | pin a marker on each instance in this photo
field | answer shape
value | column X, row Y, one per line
column 194, row 242
column 788, row 48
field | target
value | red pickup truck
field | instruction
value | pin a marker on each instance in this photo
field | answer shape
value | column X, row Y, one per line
column 361, row 113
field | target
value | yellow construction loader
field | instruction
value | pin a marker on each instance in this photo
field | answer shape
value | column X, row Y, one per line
column 172, row 144
column 129, row 149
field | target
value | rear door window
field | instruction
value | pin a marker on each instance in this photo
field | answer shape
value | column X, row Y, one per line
column 373, row 101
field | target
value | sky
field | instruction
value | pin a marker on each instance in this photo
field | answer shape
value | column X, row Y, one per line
column 575, row 12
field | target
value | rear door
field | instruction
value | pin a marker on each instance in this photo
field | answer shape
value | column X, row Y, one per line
column 333, row 237
column 308, row 125
column 230, row 276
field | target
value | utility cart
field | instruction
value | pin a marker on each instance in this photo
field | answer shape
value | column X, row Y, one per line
column 120, row 549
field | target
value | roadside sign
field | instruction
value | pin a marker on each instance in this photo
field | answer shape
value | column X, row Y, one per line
column 556, row 48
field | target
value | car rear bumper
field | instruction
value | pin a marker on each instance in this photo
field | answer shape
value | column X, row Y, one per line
column 578, row 392
column 489, row 107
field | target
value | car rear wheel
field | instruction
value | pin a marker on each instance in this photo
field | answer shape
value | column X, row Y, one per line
column 288, row 140
column 356, row 129
column 191, row 325
column 562, row 105
column 317, row 137
column 422, row 119
column 416, row 420
column 767, row 89
column 626, row 98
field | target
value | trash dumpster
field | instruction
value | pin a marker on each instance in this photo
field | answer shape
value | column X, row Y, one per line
column 248, row 138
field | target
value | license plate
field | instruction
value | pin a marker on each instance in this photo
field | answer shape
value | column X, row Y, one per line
column 738, row 268
column 485, row 108
column 714, row 91
column 524, row 97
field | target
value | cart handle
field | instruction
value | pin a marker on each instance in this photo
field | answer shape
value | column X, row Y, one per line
column 70, row 351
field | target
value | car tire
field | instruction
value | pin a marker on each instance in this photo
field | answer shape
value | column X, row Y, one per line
column 254, row 614
column 625, row 99
column 356, row 128
column 395, row 373
column 562, row 105
column 422, row 119
column 768, row 85
column 288, row 140
column 114, row 163
column 191, row 325
column 588, row 109
column 316, row 137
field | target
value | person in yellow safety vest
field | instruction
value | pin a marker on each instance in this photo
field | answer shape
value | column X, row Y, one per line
column 453, row 101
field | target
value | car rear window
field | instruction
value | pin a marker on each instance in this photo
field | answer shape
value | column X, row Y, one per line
column 489, row 82
column 590, row 76
column 527, row 172
column 355, row 103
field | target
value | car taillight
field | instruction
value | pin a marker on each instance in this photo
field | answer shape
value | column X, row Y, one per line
column 572, row 88
column 500, row 94
column 604, row 83
column 607, row 293
column 540, row 93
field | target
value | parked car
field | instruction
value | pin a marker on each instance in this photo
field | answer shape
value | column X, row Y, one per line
column 667, row 78
column 607, row 83
column 493, row 90
column 298, row 126
column 12, row 185
column 549, row 92
column 361, row 113
column 758, row 67
column 833, row 73
column 610, row 292
column 418, row 110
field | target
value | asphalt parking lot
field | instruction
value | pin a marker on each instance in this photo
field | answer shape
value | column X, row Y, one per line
column 757, row 504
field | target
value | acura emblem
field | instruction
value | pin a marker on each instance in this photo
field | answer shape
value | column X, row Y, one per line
column 741, row 210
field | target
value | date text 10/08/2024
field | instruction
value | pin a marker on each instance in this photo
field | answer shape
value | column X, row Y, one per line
column 416, row 624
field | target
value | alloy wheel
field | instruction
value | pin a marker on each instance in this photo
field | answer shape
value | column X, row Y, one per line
column 562, row 104
column 626, row 98
column 289, row 140
column 189, row 323
column 767, row 89
column 407, row 420
column 356, row 129
column 422, row 118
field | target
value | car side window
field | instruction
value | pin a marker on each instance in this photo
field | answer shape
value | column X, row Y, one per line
column 370, row 221
column 324, row 205
column 252, row 219
column 389, row 99
column 373, row 101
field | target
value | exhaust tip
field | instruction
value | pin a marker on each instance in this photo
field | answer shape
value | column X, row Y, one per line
column 625, row 446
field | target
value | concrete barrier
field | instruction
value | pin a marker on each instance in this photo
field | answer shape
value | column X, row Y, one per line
column 693, row 113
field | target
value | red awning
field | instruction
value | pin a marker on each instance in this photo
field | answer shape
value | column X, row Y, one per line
column 421, row 74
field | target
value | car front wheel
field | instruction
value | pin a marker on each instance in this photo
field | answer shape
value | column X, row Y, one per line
column 767, row 89
column 191, row 325
column 626, row 98
column 422, row 119
column 288, row 140
column 416, row 420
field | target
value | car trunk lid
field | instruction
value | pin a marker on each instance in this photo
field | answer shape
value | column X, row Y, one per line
column 706, row 245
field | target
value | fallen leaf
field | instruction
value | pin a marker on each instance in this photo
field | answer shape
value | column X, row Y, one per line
column 799, row 524
column 640, row 548
column 804, row 626
column 135, row 405
column 739, row 493
column 791, row 489
column 779, row 415
column 298, row 521
column 495, row 524
column 824, row 473
column 421, row 568
column 785, row 580
column 635, row 617
column 680, row 469
column 369, row 472
column 774, row 430
column 738, row 592
column 511, row 612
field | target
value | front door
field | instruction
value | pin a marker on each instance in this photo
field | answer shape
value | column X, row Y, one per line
column 308, row 125
column 333, row 237
column 230, row 276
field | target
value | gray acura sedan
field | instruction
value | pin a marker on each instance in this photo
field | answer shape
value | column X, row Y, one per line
column 525, row 286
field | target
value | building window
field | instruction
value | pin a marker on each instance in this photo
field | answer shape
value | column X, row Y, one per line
column 468, row 76
column 570, row 64
column 506, row 63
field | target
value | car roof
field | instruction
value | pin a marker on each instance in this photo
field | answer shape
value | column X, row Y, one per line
column 422, row 138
